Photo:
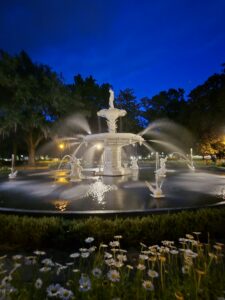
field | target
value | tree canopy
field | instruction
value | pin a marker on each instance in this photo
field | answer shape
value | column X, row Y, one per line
column 33, row 97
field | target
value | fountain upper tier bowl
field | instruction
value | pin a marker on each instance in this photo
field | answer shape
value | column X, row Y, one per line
column 119, row 139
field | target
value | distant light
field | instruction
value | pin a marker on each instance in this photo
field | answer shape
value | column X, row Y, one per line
column 98, row 146
column 61, row 146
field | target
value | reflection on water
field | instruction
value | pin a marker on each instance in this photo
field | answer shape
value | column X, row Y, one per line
column 98, row 189
column 62, row 180
column 61, row 177
column 61, row 205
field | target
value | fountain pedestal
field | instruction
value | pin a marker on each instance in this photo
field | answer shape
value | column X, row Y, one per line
column 112, row 161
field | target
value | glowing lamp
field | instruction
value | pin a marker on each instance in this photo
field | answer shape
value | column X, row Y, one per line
column 61, row 146
column 98, row 146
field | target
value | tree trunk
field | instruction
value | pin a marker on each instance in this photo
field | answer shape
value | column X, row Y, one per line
column 31, row 149
column 31, row 153
column 15, row 149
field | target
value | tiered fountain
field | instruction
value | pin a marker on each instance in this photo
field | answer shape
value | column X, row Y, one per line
column 113, row 141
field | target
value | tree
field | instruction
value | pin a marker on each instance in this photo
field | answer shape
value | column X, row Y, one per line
column 31, row 97
column 127, row 100
column 90, row 96
column 207, row 111
column 167, row 104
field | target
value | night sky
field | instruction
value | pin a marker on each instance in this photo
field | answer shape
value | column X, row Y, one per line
column 145, row 45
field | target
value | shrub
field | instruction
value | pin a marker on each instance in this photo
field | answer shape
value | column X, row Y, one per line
column 30, row 232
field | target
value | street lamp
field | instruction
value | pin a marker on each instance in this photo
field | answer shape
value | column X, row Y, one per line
column 61, row 146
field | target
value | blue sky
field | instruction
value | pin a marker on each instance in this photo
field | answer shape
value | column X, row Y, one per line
column 149, row 46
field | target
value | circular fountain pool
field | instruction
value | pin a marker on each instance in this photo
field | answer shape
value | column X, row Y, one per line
column 51, row 192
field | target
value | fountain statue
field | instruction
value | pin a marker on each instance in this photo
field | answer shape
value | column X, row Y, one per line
column 76, row 169
column 161, row 171
column 111, row 98
column 13, row 173
column 134, row 164
column 160, row 174
column 191, row 163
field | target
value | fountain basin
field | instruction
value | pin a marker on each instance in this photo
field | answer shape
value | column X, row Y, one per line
column 41, row 192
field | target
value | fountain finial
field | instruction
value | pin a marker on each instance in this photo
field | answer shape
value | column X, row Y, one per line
column 111, row 98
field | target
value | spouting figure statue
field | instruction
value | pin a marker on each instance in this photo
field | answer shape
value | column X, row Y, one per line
column 111, row 98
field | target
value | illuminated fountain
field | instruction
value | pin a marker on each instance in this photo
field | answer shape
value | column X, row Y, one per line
column 112, row 141
column 127, row 180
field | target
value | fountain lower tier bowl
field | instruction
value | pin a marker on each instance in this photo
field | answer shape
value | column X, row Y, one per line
column 119, row 139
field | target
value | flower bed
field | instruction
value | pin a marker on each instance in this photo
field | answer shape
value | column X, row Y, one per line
column 189, row 269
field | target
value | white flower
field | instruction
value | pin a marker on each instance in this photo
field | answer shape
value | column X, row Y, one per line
column 141, row 267
column 39, row 253
column 89, row 240
column 92, row 249
column 85, row 254
column 65, row 294
column 69, row 264
column 122, row 257
column 190, row 253
column 185, row 269
column 118, row 264
column 189, row 236
column 173, row 251
column 107, row 255
column 167, row 243
column 114, row 244
column 113, row 275
column 85, row 283
column 48, row 262
column 38, row 283
column 17, row 257
column 53, row 290
column 110, row 262
column 196, row 232
column 122, row 251
column 30, row 260
column 76, row 270
column 97, row 272
column 117, row 237
column 143, row 257
column 75, row 255
column 153, row 274
column 83, row 249
column 148, row 285
column 61, row 268
column 103, row 246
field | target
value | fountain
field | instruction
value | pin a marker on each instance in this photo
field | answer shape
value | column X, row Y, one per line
column 91, row 181
column 113, row 141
